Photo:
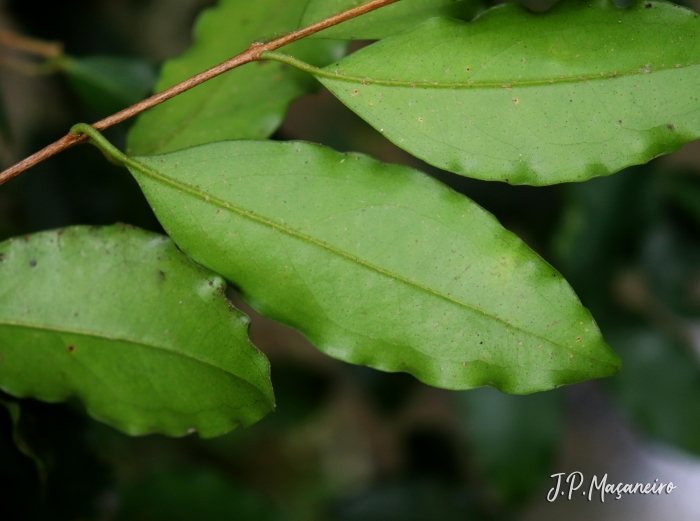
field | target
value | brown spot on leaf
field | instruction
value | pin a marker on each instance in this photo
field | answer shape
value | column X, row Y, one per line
column 70, row 349
column 671, row 127
column 32, row 263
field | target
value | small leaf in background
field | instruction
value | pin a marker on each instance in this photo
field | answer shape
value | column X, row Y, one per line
column 15, row 411
column 376, row 264
column 659, row 388
column 78, row 482
column 189, row 495
column 514, row 439
column 530, row 98
column 246, row 103
column 109, row 83
column 387, row 21
column 122, row 319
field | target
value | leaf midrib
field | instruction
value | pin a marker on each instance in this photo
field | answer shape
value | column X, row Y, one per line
column 366, row 80
column 88, row 334
column 492, row 85
column 249, row 214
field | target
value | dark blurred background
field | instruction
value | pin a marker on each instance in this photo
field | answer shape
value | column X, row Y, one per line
column 349, row 443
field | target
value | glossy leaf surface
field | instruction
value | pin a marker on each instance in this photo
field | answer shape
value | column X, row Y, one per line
column 582, row 90
column 376, row 264
column 246, row 103
column 386, row 21
column 120, row 318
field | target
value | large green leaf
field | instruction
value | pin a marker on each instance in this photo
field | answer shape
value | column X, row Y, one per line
column 123, row 320
column 246, row 103
column 582, row 90
column 376, row 264
column 386, row 21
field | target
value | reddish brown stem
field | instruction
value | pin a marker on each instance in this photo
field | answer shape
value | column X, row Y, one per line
column 252, row 53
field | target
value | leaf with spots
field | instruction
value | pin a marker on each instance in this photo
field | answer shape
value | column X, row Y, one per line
column 246, row 103
column 582, row 90
column 386, row 21
column 123, row 320
column 376, row 264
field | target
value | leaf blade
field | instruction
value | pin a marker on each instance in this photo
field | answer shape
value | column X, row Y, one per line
column 533, row 98
column 299, row 239
column 143, row 336
column 246, row 103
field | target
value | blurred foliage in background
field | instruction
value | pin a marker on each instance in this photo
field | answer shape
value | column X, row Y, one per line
column 346, row 443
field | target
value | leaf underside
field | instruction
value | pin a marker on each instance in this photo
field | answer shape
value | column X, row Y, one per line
column 387, row 21
column 246, row 103
column 122, row 319
column 582, row 90
column 376, row 264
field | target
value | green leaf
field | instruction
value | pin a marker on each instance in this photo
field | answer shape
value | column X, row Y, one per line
column 109, row 83
column 582, row 90
column 514, row 439
column 376, row 264
column 123, row 320
column 659, row 388
column 387, row 21
column 246, row 103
